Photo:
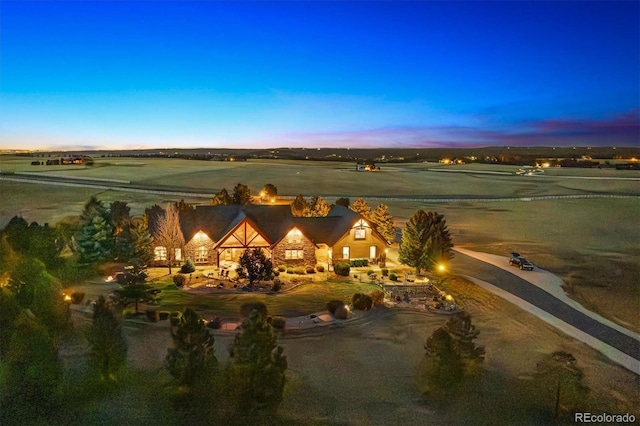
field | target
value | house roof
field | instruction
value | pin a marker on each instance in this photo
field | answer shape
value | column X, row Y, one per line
column 274, row 222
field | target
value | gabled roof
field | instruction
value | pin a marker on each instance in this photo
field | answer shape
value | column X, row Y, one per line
column 272, row 221
column 218, row 221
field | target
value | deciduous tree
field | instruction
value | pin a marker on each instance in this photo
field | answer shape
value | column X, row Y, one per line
column 317, row 207
column 168, row 233
column 270, row 191
column 299, row 206
column 425, row 241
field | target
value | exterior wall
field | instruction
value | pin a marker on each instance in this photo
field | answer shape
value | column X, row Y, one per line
column 189, row 251
column 278, row 256
column 358, row 249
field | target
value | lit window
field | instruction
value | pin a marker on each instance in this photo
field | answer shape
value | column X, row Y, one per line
column 293, row 254
column 294, row 236
column 202, row 254
column 178, row 254
column 160, row 253
column 360, row 234
column 345, row 253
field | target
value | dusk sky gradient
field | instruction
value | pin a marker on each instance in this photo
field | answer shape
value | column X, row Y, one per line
column 115, row 75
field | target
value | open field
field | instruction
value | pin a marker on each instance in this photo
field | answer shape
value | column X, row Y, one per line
column 591, row 243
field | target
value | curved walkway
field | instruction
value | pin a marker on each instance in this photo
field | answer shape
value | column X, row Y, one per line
column 538, row 292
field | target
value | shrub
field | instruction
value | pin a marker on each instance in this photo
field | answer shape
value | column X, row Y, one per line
column 179, row 280
column 152, row 315
column 362, row 302
column 319, row 268
column 188, row 267
column 277, row 285
column 282, row 268
column 278, row 323
column 393, row 276
column 385, row 272
column 77, row 297
column 174, row 318
column 341, row 313
column 333, row 305
column 246, row 308
column 215, row 323
column 276, row 273
column 377, row 297
column 310, row 270
column 299, row 270
column 370, row 272
column 358, row 263
column 342, row 268
column 289, row 270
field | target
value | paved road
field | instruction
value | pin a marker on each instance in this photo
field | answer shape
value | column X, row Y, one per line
column 466, row 265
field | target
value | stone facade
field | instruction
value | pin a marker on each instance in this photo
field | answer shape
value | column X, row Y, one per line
column 303, row 243
column 192, row 247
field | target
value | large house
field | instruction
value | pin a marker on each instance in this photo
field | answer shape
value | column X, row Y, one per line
column 215, row 234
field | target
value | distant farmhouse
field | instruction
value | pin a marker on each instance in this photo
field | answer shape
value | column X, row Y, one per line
column 367, row 166
column 215, row 234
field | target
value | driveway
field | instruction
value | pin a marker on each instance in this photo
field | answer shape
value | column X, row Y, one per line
column 463, row 264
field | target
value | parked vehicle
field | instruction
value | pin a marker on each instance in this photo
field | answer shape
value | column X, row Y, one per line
column 521, row 262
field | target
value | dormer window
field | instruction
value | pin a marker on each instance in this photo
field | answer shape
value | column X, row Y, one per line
column 360, row 234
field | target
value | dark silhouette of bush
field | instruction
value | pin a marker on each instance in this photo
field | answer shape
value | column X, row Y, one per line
column 179, row 280
column 377, row 297
column 342, row 269
column 152, row 315
column 341, row 313
column 393, row 276
column 333, row 305
column 77, row 297
column 278, row 323
column 246, row 308
column 188, row 267
column 310, row 270
column 361, row 302
column 385, row 272
column 277, row 285
column 319, row 268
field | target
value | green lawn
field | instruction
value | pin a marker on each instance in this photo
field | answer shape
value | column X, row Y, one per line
column 302, row 300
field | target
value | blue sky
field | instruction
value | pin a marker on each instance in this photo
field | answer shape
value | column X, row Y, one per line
column 318, row 74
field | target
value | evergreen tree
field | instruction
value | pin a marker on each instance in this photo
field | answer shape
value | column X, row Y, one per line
column 257, row 368
column 222, row 198
column 269, row 191
column 425, row 241
column 95, row 241
column 254, row 266
column 452, row 357
column 141, row 242
column 136, row 292
column 121, row 223
column 108, row 345
column 299, row 206
column 181, row 206
column 168, row 234
column 192, row 361
column 383, row 222
column 241, row 195
column 362, row 207
column 317, row 207
column 560, row 374
column 29, row 394
column 343, row 202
